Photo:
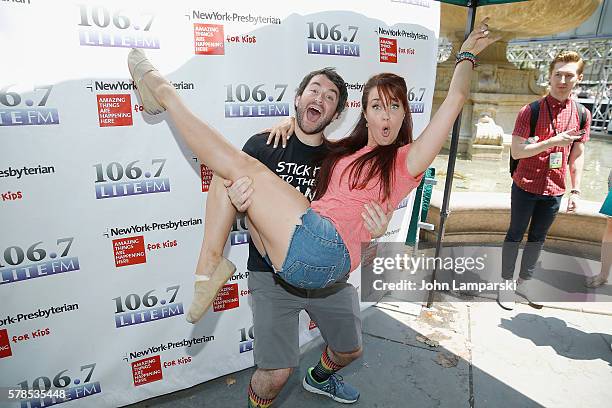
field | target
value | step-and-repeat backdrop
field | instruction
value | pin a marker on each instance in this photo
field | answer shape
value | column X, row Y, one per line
column 102, row 206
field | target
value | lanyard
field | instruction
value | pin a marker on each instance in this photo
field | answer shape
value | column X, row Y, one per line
column 552, row 122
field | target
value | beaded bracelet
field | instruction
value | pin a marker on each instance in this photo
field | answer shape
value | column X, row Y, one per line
column 466, row 55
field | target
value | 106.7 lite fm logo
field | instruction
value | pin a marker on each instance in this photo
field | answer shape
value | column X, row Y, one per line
column 117, row 180
column 101, row 27
column 333, row 39
column 62, row 387
column 244, row 101
column 135, row 309
column 247, row 340
column 415, row 100
column 18, row 111
column 35, row 262
column 240, row 231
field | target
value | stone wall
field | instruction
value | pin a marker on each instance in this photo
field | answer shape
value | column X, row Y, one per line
column 485, row 217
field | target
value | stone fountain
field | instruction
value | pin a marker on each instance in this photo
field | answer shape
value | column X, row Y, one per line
column 499, row 89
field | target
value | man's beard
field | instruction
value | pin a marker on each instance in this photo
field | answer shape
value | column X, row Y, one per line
column 300, row 119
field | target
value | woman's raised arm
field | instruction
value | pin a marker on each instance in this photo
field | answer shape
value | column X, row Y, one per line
column 427, row 146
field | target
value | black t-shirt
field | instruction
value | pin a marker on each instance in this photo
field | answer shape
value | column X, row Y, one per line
column 296, row 164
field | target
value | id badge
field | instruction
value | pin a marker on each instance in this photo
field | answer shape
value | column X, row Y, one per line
column 555, row 160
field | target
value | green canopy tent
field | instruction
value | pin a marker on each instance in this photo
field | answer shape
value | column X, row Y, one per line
column 472, row 5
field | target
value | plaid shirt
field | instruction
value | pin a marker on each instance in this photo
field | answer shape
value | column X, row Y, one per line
column 533, row 173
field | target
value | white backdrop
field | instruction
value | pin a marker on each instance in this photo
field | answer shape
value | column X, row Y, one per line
column 101, row 205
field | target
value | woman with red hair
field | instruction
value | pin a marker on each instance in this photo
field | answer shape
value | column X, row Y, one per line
column 312, row 245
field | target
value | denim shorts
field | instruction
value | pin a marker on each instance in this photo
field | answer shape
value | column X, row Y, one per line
column 317, row 256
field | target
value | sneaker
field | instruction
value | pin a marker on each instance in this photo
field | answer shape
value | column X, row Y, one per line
column 139, row 65
column 205, row 292
column 334, row 388
column 595, row 281
column 506, row 298
column 524, row 288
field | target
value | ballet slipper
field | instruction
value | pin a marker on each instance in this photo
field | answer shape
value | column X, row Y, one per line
column 205, row 291
column 139, row 65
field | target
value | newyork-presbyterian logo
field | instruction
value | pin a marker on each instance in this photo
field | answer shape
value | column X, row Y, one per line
column 227, row 298
column 147, row 370
column 5, row 345
column 19, row 172
column 135, row 249
column 118, row 109
column 38, row 314
column 161, row 348
column 402, row 33
column 388, row 49
column 357, row 87
column 233, row 17
column 389, row 46
column 157, row 225
column 208, row 39
column 114, row 110
column 11, row 196
column 129, row 251
column 150, row 369
column 206, row 174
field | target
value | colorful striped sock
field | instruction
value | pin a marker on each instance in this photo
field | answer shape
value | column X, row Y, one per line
column 325, row 368
column 255, row 401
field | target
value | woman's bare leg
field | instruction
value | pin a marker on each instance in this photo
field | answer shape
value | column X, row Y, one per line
column 276, row 206
column 606, row 259
column 606, row 251
column 212, row 270
column 218, row 220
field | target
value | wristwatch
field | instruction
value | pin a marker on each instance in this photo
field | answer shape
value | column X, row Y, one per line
column 575, row 191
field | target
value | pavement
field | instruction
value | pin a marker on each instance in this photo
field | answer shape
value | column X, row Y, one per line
column 454, row 354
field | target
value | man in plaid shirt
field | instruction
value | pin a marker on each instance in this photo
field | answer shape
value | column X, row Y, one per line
column 539, row 180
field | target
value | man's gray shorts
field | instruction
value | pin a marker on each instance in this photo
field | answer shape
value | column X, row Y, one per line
column 276, row 307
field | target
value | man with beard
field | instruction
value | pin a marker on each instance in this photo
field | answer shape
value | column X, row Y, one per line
column 320, row 98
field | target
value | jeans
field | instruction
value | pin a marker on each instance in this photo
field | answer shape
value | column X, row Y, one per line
column 525, row 206
column 317, row 256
